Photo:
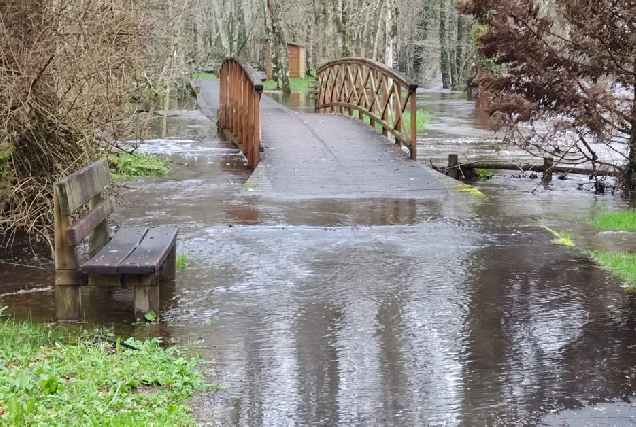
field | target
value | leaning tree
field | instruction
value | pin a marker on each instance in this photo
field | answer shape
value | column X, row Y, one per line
column 561, row 77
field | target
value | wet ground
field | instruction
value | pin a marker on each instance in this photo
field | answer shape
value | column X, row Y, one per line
column 376, row 312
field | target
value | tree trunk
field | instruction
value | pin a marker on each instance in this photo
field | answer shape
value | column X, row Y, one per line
column 443, row 41
column 453, row 46
column 390, row 28
column 278, row 46
column 341, row 18
column 376, row 42
column 223, row 35
column 422, row 27
column 463, row 52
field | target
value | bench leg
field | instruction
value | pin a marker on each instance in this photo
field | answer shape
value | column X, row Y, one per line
column 146, row 295
column 168, row 270
column 67, row 300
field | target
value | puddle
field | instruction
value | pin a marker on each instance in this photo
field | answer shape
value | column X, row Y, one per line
column 297, row 101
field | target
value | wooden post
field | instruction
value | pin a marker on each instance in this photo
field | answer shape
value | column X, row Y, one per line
column 146, row 294
column 257, row 128
column 548, row 166
column 223, row 76
column 68, row 303
column 67, row 287
column 396, row 103
column 385, row 102
column 243, row 111
column 341, row 88
column 412, row 95
column 249, row 137
column 235, row 98
column 360, row 92
column 453, row 169
column 168, row 270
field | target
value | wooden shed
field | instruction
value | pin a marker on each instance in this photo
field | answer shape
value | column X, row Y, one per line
column 297, row 54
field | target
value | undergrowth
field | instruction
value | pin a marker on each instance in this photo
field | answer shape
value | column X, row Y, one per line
column 54, row 376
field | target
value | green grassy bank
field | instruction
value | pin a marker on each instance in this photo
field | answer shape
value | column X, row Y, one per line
column 296, row 84
column 422, row 118
column 58, row 376
column 621, row 264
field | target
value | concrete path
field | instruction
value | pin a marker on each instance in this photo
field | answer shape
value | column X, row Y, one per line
column 329, row 156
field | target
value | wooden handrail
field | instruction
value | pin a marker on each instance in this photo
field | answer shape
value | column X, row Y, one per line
column 374, row 90
column 239, row 117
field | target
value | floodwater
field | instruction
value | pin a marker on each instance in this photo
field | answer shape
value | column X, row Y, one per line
column 455, row 312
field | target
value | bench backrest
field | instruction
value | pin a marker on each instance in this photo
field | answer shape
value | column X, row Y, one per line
column 77, row 189
column 82, row 187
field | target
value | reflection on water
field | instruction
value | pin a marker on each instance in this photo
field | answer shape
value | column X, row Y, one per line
column 297, row 101
column 458, row 311
column 453, row 116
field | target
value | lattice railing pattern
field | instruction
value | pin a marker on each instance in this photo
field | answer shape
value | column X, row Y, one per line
column 239, row 117
column 374, row 91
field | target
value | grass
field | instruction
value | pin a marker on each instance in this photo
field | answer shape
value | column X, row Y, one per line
column 204, row 76
column 423, row 117
column 182, row 261
column 622, row 265
column 616, row 221
column 296, row 84
column 484, row 174
column 54, row 376
column 124, row 165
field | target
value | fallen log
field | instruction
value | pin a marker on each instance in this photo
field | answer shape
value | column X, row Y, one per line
column 530, row 167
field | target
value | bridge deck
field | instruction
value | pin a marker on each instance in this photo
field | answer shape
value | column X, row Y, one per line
column 329, row 156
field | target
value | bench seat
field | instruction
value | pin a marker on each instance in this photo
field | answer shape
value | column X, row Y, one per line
column 133, row 250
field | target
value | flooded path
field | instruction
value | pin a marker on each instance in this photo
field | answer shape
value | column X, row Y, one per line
column 373, row 312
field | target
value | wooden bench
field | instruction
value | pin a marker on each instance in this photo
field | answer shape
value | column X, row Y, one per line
column 140, row 257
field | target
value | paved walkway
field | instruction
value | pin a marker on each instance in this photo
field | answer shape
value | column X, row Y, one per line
column 329, row 156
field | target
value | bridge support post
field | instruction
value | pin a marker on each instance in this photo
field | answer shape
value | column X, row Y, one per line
column 413, row 96
column 453, row 166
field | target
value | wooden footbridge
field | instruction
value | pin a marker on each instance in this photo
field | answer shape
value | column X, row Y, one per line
column 337, row 154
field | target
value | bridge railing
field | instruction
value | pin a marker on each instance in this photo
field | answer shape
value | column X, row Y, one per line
column 239, row 117
column 386, row 97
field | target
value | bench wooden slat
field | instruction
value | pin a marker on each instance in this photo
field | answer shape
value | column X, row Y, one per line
column 82, row 227
column 78, row 188
column 151, row 253
column 109, row 258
